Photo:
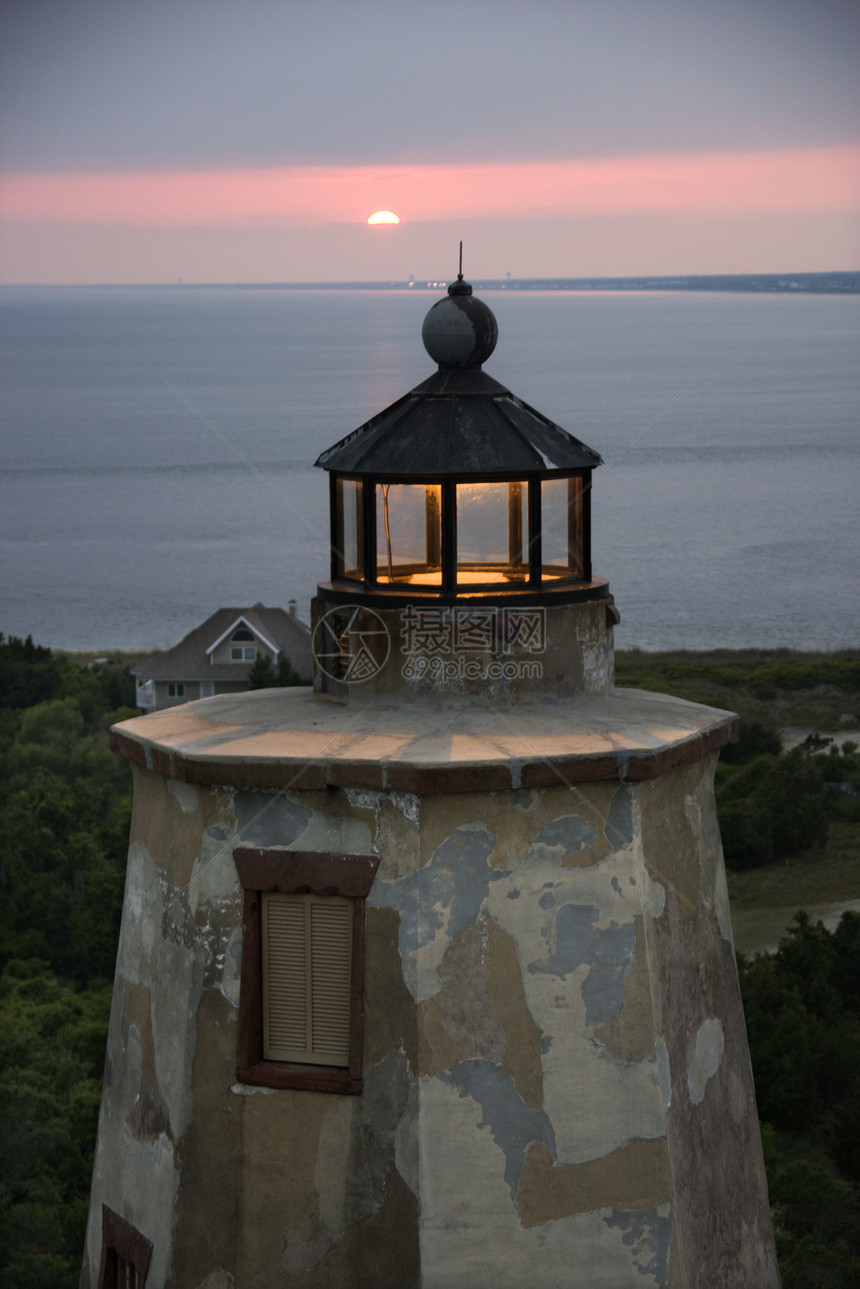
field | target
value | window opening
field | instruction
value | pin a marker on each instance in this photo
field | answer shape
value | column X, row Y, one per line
column 300, row 998
column 126, row 1253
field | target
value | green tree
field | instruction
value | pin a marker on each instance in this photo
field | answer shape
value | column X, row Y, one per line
column 64, row 812
column 816, row 1226
column 754, row 739
column 28, row 672
column 52, row 1043
column 803, row 1022
column 772, row 808
column 264, row 674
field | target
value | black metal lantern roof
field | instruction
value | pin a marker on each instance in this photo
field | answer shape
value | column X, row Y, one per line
column 459, row 421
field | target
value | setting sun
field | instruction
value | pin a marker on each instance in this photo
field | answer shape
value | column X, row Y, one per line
column 384, row 217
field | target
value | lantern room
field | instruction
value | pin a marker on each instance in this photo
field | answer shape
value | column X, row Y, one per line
column 460, row 491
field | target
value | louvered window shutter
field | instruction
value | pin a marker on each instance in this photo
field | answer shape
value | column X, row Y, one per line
column 307, row 968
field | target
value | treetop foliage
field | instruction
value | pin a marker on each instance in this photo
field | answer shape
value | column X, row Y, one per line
column 802, row 1007
column 64, row 810
column 264, row 675
column 64, row 816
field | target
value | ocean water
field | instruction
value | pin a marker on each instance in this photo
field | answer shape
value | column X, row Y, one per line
column 157, row 451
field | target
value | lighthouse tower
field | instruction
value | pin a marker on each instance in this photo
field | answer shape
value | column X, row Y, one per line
column 426, row 974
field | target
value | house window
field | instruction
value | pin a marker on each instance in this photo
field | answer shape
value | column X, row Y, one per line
column 300, row 1013
column 176, row 689
column 125, row 1253
column 239, row 653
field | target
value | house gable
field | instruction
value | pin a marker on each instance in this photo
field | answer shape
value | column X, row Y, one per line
column 241, row 642
column 224, row 639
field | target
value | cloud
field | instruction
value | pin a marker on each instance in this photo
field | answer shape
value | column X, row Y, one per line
column 782, row 182
column 124, row 85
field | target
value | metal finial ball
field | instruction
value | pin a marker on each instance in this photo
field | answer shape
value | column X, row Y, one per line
column 460, row 330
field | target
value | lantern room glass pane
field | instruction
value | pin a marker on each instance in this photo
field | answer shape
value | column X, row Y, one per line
column 409, row 533
column 561, row 528
column 350, row 531
column 492, row 533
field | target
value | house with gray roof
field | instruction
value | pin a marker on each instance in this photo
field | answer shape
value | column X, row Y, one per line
column 216, row 657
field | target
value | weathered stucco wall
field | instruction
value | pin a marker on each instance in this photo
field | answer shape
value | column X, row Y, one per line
column 511, row 655
column 556, row 1084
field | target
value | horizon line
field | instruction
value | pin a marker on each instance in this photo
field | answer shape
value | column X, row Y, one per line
column 789, row 280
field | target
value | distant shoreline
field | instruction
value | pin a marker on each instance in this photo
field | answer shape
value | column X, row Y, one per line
column 834, row 283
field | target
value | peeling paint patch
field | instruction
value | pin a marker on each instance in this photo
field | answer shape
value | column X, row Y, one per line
column 357, row 1147
column 648, row 1236
column 337, row 834
column 513, row 1125
column 471, row 1021
column 629, row 1034
column 607, row 953
column 407, row 803
column 574, row 929
column 619, row 821
column 506, row 992
column 213, row 876
column 704, row 1059
column 568, row 834
column 269, row 819
column 444, row 896
column 397, row 840
column 635, row 1177
column 218, row 1280
column 184, row 794
column 526, row 800
column 661, row 1056
column 305, row 1246
column 603, row 987
column 149, row 1118
column 232, row 972
column 362, row 799
column 653, row 895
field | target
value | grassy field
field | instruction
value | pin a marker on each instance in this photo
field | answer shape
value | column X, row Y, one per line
column 764, row 900
column 782, row 690
column 776, row 687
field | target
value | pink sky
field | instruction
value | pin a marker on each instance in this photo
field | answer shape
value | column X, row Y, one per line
column 800, row 180
column 221, row 142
